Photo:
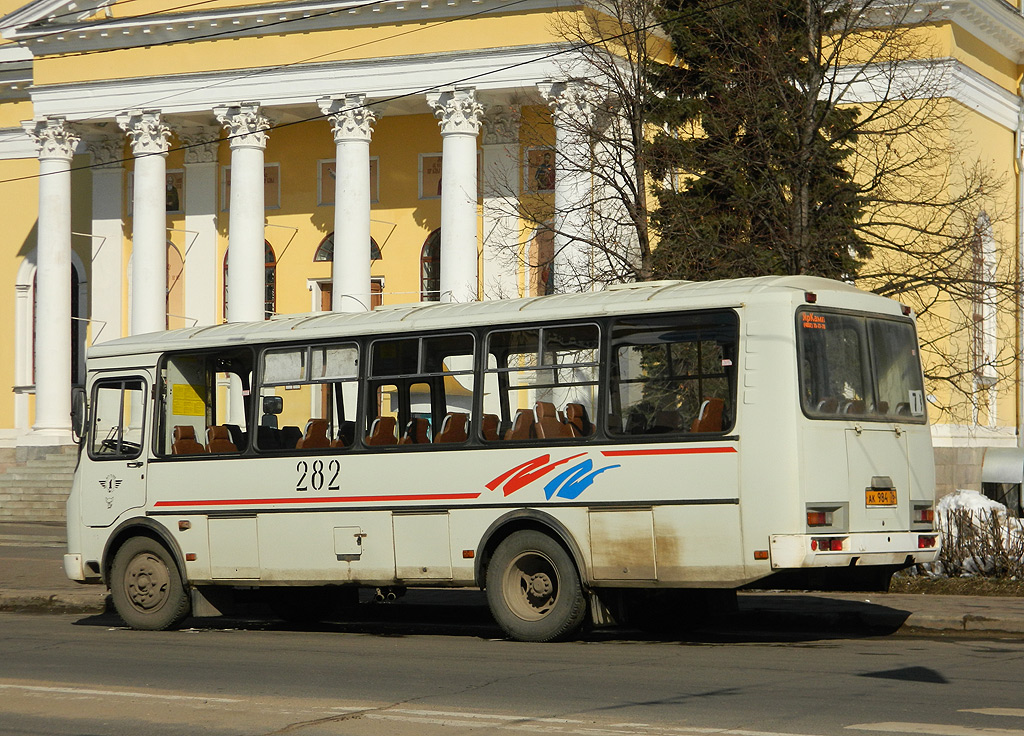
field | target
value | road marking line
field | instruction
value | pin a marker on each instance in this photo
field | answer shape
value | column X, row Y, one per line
column 552, row 725
column 936, row 729
column 1013, row 712
column 488, row 716
column 116, row 693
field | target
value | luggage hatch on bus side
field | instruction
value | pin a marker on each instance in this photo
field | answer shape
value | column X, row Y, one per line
column 874, row 457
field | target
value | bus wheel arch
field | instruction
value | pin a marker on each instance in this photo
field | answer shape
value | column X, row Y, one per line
column 521, row 519
column 141, row 527
column 142, row 569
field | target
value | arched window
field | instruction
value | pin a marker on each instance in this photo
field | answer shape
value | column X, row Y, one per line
column 26, row 304
column 430, row 268
column 175, row 288
column 983, row 301
column 269, row 282
column 325, row 251
column 541, row 262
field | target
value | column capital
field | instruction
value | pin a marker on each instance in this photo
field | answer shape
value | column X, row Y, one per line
column 457, row 110
column 570, row 100
column 350, row 117
column 107, row 151
column 501, row 125
column 146, row 130
column 246, row 126
column 53, row 137
column 200, row 142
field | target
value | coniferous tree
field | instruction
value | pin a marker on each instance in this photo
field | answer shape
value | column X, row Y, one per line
column 751, row 165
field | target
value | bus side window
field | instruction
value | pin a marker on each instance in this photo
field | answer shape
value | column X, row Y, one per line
column 203, row 390
column 321, row 384
column 545, row 381
column 673, row 374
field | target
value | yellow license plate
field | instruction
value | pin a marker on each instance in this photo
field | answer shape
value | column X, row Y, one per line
column 881, row 498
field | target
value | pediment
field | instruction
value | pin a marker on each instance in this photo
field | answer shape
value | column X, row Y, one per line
column 41, row 13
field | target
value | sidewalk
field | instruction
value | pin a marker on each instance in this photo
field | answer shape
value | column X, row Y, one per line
column 32, row 579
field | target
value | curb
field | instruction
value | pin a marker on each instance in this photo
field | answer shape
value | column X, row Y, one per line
column 41, row 601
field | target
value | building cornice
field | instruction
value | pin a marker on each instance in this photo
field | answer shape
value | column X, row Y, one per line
column 15, row 143
column 15, row 72
column 944, row 78
column 996, row 23
column 388, row 80
column 240, row 22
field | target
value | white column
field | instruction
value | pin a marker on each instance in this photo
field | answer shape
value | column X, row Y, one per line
column 572, row 105
column 247, row 132
column 502, row 175
column 352, row 123
column 200, row 254
column 56, row 144
column 150, row 139
column 107, row 256
column 459, row 114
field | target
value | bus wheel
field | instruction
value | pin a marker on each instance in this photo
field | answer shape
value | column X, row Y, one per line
column 533, row 590
column 146, row 588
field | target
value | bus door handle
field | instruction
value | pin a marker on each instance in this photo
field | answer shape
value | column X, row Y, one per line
column 135, row 465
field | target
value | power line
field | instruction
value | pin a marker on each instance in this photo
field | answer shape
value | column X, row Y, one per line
column 572, row 48
column 92, row 25
column 268, row 70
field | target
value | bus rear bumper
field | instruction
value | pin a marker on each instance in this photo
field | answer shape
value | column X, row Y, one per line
column 853, row 549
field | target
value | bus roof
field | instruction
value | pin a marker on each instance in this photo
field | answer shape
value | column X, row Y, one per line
column 649, row 296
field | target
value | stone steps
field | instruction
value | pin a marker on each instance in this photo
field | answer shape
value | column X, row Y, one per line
column 35, row 482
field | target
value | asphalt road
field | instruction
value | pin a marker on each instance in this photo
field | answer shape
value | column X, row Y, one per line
column 88, row 676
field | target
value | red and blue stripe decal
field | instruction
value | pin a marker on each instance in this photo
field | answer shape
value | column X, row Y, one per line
column 568, row 484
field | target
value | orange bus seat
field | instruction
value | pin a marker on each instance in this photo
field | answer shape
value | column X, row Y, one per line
column 579, row 422
column 415, row 432
column 522, row 426
column 709, row 419
column 184, row 441
column 218, row 440
column 548, row 426
column 315, row 436
column 454, row 428
column 489, row 427
column 382, row 432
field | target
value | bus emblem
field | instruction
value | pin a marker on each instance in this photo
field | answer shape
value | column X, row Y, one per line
column 110, row 483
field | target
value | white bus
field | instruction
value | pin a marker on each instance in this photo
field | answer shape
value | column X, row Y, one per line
column 568, row 454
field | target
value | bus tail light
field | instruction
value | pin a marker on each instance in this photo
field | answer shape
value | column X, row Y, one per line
column 924, row 515
column 926, row 541
column 819, row 518
column 827, row 544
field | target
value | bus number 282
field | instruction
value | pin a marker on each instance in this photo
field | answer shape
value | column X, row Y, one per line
column 314, row 475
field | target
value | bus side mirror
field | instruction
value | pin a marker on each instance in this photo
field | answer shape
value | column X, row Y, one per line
column 79, row 413
column 273, row 404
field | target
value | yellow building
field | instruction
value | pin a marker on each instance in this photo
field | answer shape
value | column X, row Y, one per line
column 184, row 164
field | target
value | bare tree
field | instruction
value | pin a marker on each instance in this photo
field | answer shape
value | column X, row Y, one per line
column 599, row 232
column 810, row 136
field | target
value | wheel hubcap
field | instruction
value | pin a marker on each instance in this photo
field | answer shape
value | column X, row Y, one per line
column 147, row 582
column 530, row 586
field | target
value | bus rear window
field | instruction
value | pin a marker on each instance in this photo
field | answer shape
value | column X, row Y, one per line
column 853, row 366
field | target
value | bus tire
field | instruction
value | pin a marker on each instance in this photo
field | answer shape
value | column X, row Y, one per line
column 533, row 589
column 146, row 588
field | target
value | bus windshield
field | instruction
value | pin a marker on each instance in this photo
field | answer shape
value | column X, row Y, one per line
column 858, row 366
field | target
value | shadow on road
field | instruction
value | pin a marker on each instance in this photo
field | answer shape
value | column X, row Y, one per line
column 464, row 613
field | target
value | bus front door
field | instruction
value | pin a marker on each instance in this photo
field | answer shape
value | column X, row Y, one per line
column 114, row 477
